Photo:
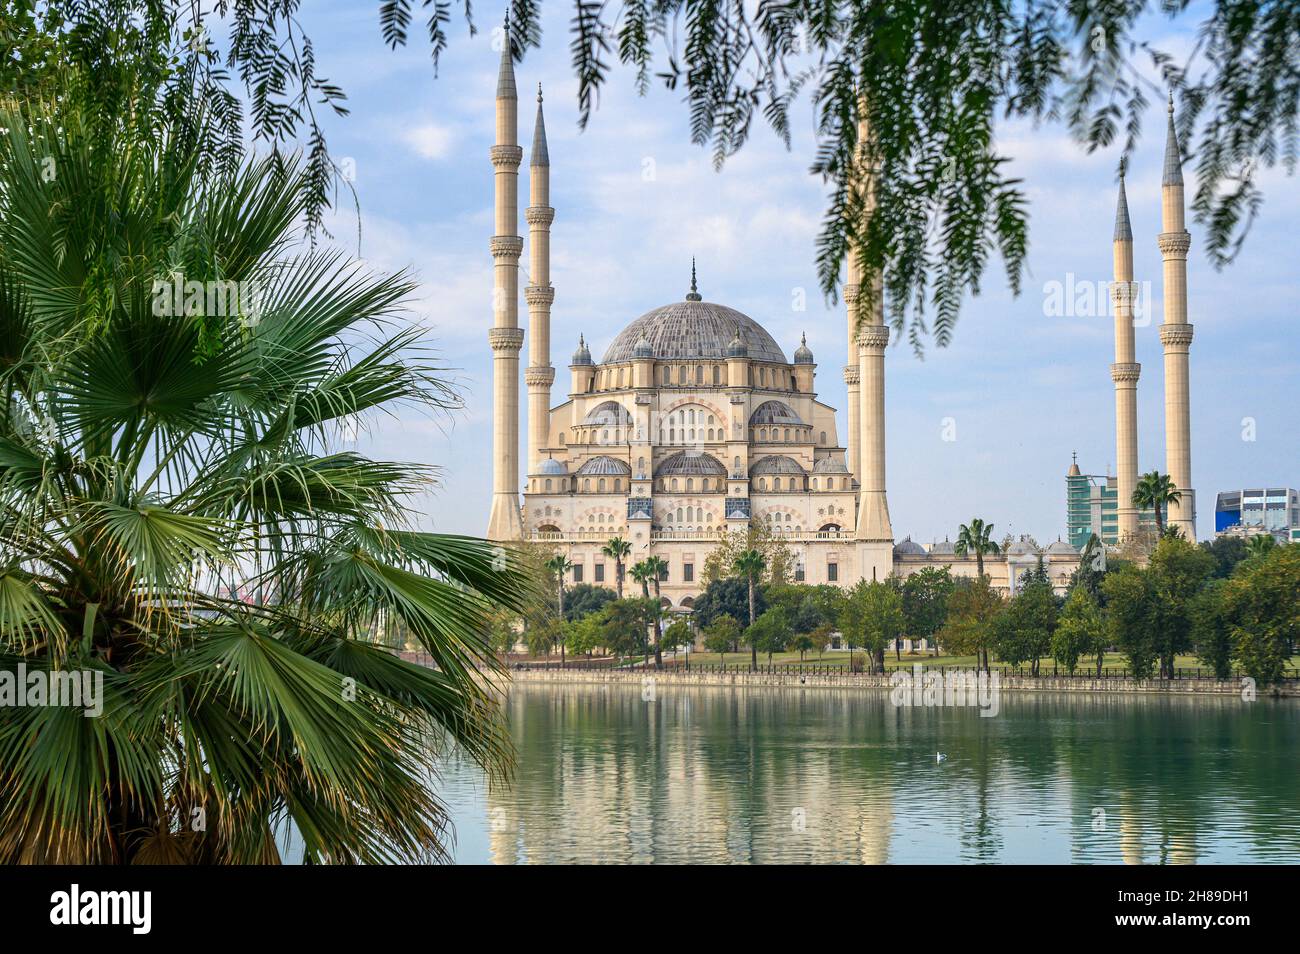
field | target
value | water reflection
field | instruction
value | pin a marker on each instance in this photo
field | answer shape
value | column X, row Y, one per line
column 782, row 776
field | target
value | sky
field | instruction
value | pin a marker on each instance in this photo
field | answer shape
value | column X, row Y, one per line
column 1019, row 388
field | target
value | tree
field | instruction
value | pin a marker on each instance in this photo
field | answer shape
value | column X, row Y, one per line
column 174, row 517
column 972, row 607
column 1227, row 552
column 749, row 565
column 1259, row 545
column 821, row 638
column 925, row 602
column 1092, row 567
column 778, row 561
column 558, row 566
column 1080, row 631
column 585, row 634
column 727, row 597
column 1133, row 615
column 1155, row 492
column 624, row 625
column 617, row 549
column 872, row 617
column 769, row 633
column 722, row 635
column 1178, row 571
column 1022, row 632
column 1263, row 612
column 1212, row 634
column 928, row 79
column 584, row 599
column 802, row 643
column 677, row 635
column 657, row 567
column 975, row 537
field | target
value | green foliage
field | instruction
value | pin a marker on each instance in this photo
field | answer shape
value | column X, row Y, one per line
column 722, row 635
column 585, row 634
column 925, row 601
column 1133, row 615
column 1022, row 632
column 1263, row 612
column 972, row 607
column 758, row 536
column 584, row 599
column 153, row 462
column 727, row 597
column 625, row 624
column 872, row 617
column 976, row 538
column 1227, row 552
column 1155, row 492
column 1080, row 631
column 770, row 633
column 1212, row 636
column 1178, row 570
column 677, row 636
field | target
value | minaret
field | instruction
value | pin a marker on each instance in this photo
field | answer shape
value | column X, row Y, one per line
column 1125, row 371
column 506, row 337
column 1176, row 336
column 539, row 294
column 873, row 526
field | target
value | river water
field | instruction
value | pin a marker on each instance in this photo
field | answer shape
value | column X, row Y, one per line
column 816, row 775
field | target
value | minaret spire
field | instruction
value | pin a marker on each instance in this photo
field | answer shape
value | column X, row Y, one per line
column 506, row 337
column 1176, row 335
column 539, row 294
column 1125, row 371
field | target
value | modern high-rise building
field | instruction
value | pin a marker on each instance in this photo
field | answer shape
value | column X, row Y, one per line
column 1092, row 506
column 1275, row 509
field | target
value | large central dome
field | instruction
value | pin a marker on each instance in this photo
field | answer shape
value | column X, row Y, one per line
column 693, row 329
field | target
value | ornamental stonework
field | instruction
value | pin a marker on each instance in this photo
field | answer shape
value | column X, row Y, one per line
column 508, row 156
column 544, row 375
column 539, row 295
column 1176, row 336
column 506, row 246
column 873, row 337
column 506, row 339
column 1127, row 372
column 1174, row 244
column 852, row 375
column 539, row 215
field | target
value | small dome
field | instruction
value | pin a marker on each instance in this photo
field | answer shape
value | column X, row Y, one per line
column 643, row 349
column 1021, row 547
column 908, row 548
column 552, row 468
column 583, row 354
column 830, row 465
column 775, row 464
column 603, row 466
column 803, row 354
column 690, row 464
column 774, row 412
column 942, row 548
column 737, row 347
column 610, row 413
column 1061, row 547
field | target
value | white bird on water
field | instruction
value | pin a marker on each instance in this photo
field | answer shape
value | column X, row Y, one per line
column 939, row 757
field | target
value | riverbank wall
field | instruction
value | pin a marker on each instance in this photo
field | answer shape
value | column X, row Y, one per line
column 740, row 679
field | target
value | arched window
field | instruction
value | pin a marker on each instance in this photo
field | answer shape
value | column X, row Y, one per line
column 823, row 440
column 717, row 375
column 618, row 485
column 690, row 484
column 762, row 483
column 586, row 483
column 548, row 485
column 674, row 485
column 699, row 374
column 787, row 435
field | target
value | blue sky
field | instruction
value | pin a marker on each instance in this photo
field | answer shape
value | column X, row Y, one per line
column 1023, row 388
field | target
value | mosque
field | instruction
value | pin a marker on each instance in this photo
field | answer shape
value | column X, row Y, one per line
column 694, row 422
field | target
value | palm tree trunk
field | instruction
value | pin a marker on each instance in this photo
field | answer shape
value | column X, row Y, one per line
column 979, row 562
column 659, row 632
column 560, row 605
column 753, row 650
column 618, row 577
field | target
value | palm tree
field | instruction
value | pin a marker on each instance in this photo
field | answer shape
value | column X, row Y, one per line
column 976, row 537
column 558, row 566
column 177, row 518
column 1260, row 545
column 617, row 548
column 657, row 567
column 750, row 564
column 645, row 572
column 1155, row 491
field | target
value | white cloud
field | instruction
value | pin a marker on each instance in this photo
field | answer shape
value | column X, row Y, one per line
column 430, row 141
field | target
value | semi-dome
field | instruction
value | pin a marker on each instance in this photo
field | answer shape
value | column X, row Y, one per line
column 830, row 465
column 608, row 413
column 908, row 547
column 690, row 464
column 775, row 464
column 690, row 330
column 552, row 468
column 774, row 412
column 602, row 466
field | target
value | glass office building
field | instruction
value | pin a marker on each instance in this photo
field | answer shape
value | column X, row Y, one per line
column 1275, row 509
